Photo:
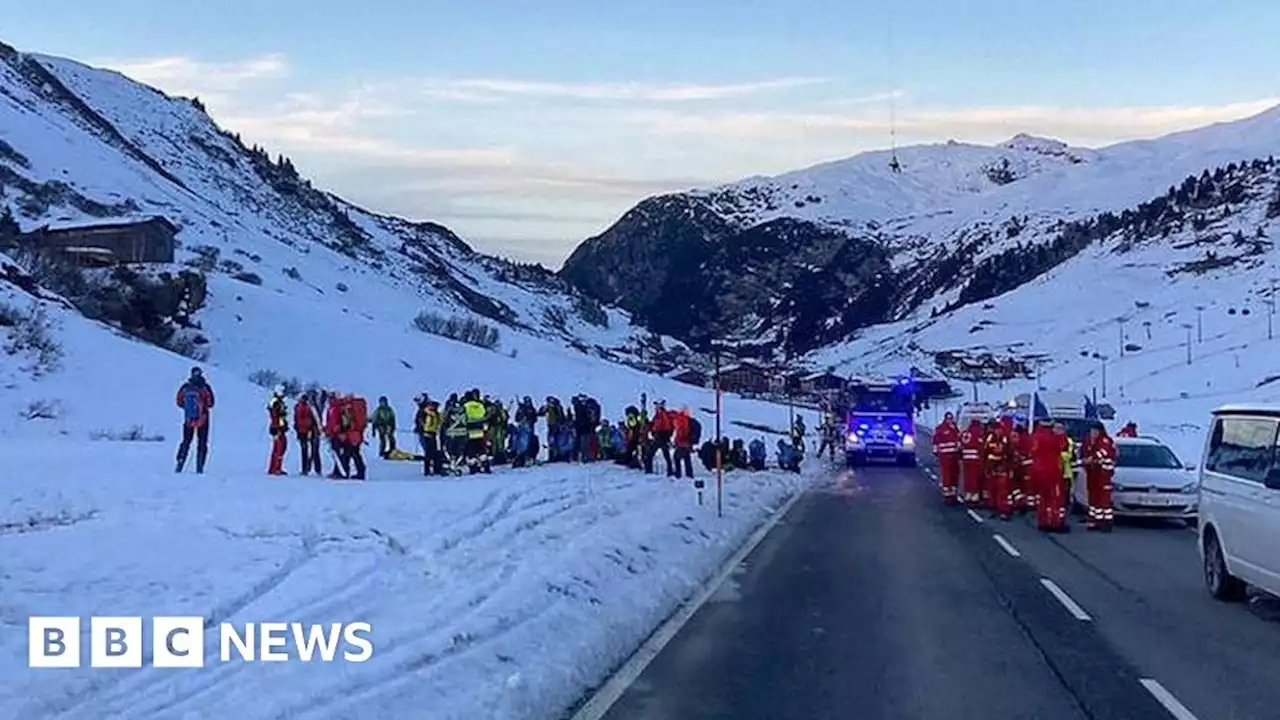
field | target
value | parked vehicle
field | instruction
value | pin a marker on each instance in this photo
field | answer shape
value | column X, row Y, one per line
column 1239, row 534
column 1150, row 481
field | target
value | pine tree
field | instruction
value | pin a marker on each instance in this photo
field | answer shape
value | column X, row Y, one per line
column 9, row 228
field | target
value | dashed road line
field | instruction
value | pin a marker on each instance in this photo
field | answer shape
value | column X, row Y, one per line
column 598, row 704
column 976, row 517
column 1008, row 547
column 1166, row 698
column 1071, row 605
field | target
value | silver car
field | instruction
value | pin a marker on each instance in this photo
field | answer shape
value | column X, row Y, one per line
column 1150, row 481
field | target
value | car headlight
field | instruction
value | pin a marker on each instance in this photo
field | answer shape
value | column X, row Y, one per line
column 908, row 441
column 1117, row 487
column 853, row 438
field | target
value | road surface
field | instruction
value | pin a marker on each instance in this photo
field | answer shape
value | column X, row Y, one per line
column 872, row 600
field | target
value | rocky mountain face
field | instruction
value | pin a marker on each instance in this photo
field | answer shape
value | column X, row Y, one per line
column 786, row 265
column 80, row 145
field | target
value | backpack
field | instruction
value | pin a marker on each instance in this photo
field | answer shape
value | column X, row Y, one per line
column 695, row 431
column 191, row 403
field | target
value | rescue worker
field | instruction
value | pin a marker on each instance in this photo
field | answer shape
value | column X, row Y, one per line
column 555, row 415
column 946, row 446
column 455, row 434
column 1070, row 461
column 663, row 427
column 195, row 399
column 334, row 431
column 971, row 461
column 474, row 413
column 354, row 421
column 428, row 423
column 384, row 424
column 1099, row 458
column 525, row 440
column 631, row 424
column 797, row 433
column 496, row 419
column 1130, row 429
column 829, row 431
column 1047, row 450
column 682, row 430
column 996, row 457
column 278, row 428
column 1020, row 478
column 306, row 423
column 604, row 439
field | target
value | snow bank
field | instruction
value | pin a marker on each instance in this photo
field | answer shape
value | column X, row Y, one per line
column 496, row 597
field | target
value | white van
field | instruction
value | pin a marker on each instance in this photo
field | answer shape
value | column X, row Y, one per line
column 1240, row 502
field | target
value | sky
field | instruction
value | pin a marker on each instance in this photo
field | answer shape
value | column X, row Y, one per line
column 527, row 127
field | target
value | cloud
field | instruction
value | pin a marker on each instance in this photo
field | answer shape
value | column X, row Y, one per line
column 498, row 88
column 1103, row 124
column 180, row 75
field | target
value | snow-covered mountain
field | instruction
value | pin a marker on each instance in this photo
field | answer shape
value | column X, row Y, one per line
column 81, row 145
column 806, row 259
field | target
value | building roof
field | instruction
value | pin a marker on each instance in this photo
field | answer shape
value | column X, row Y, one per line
column 681, row 372
column 742, row 366
column 817, row 375
column 107, row 224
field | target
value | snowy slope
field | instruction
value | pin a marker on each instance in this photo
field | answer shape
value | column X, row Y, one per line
column 78, row 144
column 922, row 231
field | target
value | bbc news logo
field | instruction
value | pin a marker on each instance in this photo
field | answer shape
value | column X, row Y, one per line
column 178, row 642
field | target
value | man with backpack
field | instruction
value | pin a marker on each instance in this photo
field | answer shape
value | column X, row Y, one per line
column 687, row 431
column 353, row 420
column 384, row 424
column 427, row 425
column 306, row 423
column 195, row 399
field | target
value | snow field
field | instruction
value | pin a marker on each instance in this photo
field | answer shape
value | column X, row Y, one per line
column 505, row 596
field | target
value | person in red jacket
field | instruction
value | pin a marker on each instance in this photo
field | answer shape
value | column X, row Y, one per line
column 996, row 456
column 946, row 446
column 662, row 428
column 1099, row 455
column 306, row 422
column 1025, row 493
column 195, row 399
column 681, row 427
column 1047, row 450
column 278, row 428
column 354, row 423
column 971, row 460
column 1130, row 429
column 334, row 432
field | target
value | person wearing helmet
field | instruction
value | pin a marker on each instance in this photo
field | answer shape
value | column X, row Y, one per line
column 195, row 399
column 427, row 426
column 278, row 429
column 384, row 424
column 662, row 428
column 306, row 423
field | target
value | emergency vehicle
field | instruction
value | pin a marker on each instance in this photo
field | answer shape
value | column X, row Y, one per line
column 880, row 422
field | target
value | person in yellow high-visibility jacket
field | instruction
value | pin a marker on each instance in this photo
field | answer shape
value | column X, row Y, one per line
column 476, row 453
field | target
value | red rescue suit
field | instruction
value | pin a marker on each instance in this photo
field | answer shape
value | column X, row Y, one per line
column 996, row 457
column 1099, row 467
column 1046, row 474
column 1027, row 495
column 946, row 446
column 278, row 427
column 971, row 461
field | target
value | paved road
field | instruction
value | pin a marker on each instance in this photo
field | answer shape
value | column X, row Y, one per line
column 873, row 601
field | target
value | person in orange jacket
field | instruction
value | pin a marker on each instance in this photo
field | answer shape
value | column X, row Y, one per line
column 682, row 429
column 306, row 423
column 971, row 461
column 1024, row 494
column 354, row 423
column 996, row 456
column 946, row 446
column 1130, row 429
column 278, row 428
column 1099, row 456
column 336, row 435
column 662, row 429
column 1047, row 450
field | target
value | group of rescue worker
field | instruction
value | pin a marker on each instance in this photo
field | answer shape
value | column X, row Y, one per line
column 471, row 432
column 1002, row 466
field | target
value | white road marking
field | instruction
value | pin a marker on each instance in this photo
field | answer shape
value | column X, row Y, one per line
column 1166, row 698
column 1009, row 548
column 976, row 517
column 613, row 689
column 1071, row 605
